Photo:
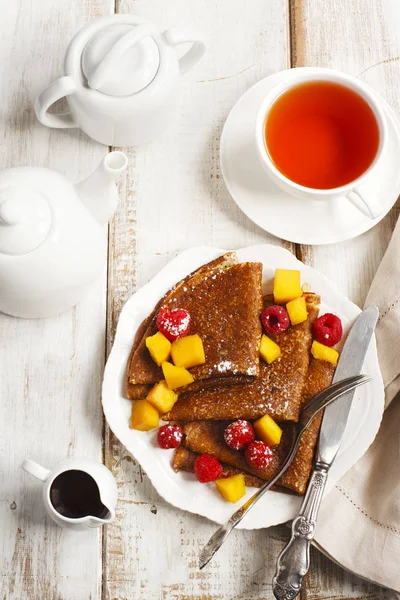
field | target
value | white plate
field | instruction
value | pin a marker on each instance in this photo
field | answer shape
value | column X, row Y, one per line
column 181, row 489
column 287, row 217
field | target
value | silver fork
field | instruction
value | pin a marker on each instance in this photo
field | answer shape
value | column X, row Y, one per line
column 308, row 413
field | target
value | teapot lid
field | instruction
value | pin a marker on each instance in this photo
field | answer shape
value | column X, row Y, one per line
column 25, row 219
column 121, row 59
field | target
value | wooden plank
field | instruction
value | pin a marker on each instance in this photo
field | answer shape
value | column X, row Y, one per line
column 360, row 37
column 175, row 198
column 51, row 369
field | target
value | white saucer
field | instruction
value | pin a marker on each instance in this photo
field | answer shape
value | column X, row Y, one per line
column 289, row 218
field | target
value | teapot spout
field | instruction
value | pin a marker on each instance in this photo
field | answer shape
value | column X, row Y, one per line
column 98, row 192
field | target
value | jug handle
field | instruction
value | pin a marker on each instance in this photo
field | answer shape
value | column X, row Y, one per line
column 64, row 86
column 33, row 468
column 193, row 55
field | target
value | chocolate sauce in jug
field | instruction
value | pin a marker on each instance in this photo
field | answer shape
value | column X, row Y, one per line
column 74, row 494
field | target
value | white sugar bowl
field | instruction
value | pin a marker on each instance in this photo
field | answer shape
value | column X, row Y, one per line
column 121, row 80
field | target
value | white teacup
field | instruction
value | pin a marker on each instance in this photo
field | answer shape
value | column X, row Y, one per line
column 96, row 472
column 360, row 199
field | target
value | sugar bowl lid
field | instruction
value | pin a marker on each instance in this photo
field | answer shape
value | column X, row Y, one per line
column 121, row 59
column 25, row 219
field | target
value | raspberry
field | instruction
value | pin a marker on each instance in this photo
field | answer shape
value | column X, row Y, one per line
column 169, row 436
column 258, row 455
column 275, row 319
column 328, row 329
column 174, row 323
column 207, row 468
column 239, row 434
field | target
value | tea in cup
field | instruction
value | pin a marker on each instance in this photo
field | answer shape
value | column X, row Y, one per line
column 321, row 136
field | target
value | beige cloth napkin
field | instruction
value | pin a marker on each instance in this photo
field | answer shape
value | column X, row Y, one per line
column 359, row 521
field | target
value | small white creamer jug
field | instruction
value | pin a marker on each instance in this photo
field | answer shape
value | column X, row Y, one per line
column 78, row 493
column 121, row 80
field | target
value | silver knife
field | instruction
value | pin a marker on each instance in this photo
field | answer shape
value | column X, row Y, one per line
column 294, row 561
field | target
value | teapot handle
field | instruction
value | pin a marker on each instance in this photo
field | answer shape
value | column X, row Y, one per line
column 64, row 86
column 193, row 55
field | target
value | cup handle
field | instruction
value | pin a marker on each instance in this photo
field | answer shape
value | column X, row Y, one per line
column 367, row 205
column 31, row 467
column 193, row 55
column 64, row 86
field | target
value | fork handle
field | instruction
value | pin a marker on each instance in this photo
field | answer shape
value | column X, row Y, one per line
column 294, row 561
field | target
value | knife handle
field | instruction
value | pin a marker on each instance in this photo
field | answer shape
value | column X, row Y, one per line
column 294, row 561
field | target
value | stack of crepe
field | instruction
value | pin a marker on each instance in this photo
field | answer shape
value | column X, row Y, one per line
column 225, row 301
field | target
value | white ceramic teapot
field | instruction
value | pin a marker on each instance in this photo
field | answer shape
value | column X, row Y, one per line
column 53, row 243
column 79, row 493
column 121, row 80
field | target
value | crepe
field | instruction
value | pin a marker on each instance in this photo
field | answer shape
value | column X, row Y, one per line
column 184, row 461
column 140, row 366
column 208, row 437
column 228, row 324
column 320, row 375
column 277, row 391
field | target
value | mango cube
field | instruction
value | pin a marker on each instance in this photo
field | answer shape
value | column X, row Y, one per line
column 268, row 431
column 188, row 351
column 322, row 352
column 159, row 347
column 144, row 416
column 231, row 488
column 286, row 285
column 297, row 310
column 176, row 377
column 269, row 351
column 162, row 397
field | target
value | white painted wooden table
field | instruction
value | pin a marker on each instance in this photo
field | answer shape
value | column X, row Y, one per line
column 172, row 197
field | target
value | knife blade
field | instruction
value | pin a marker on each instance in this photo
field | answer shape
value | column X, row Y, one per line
column 294, row 561
column 350, row 363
